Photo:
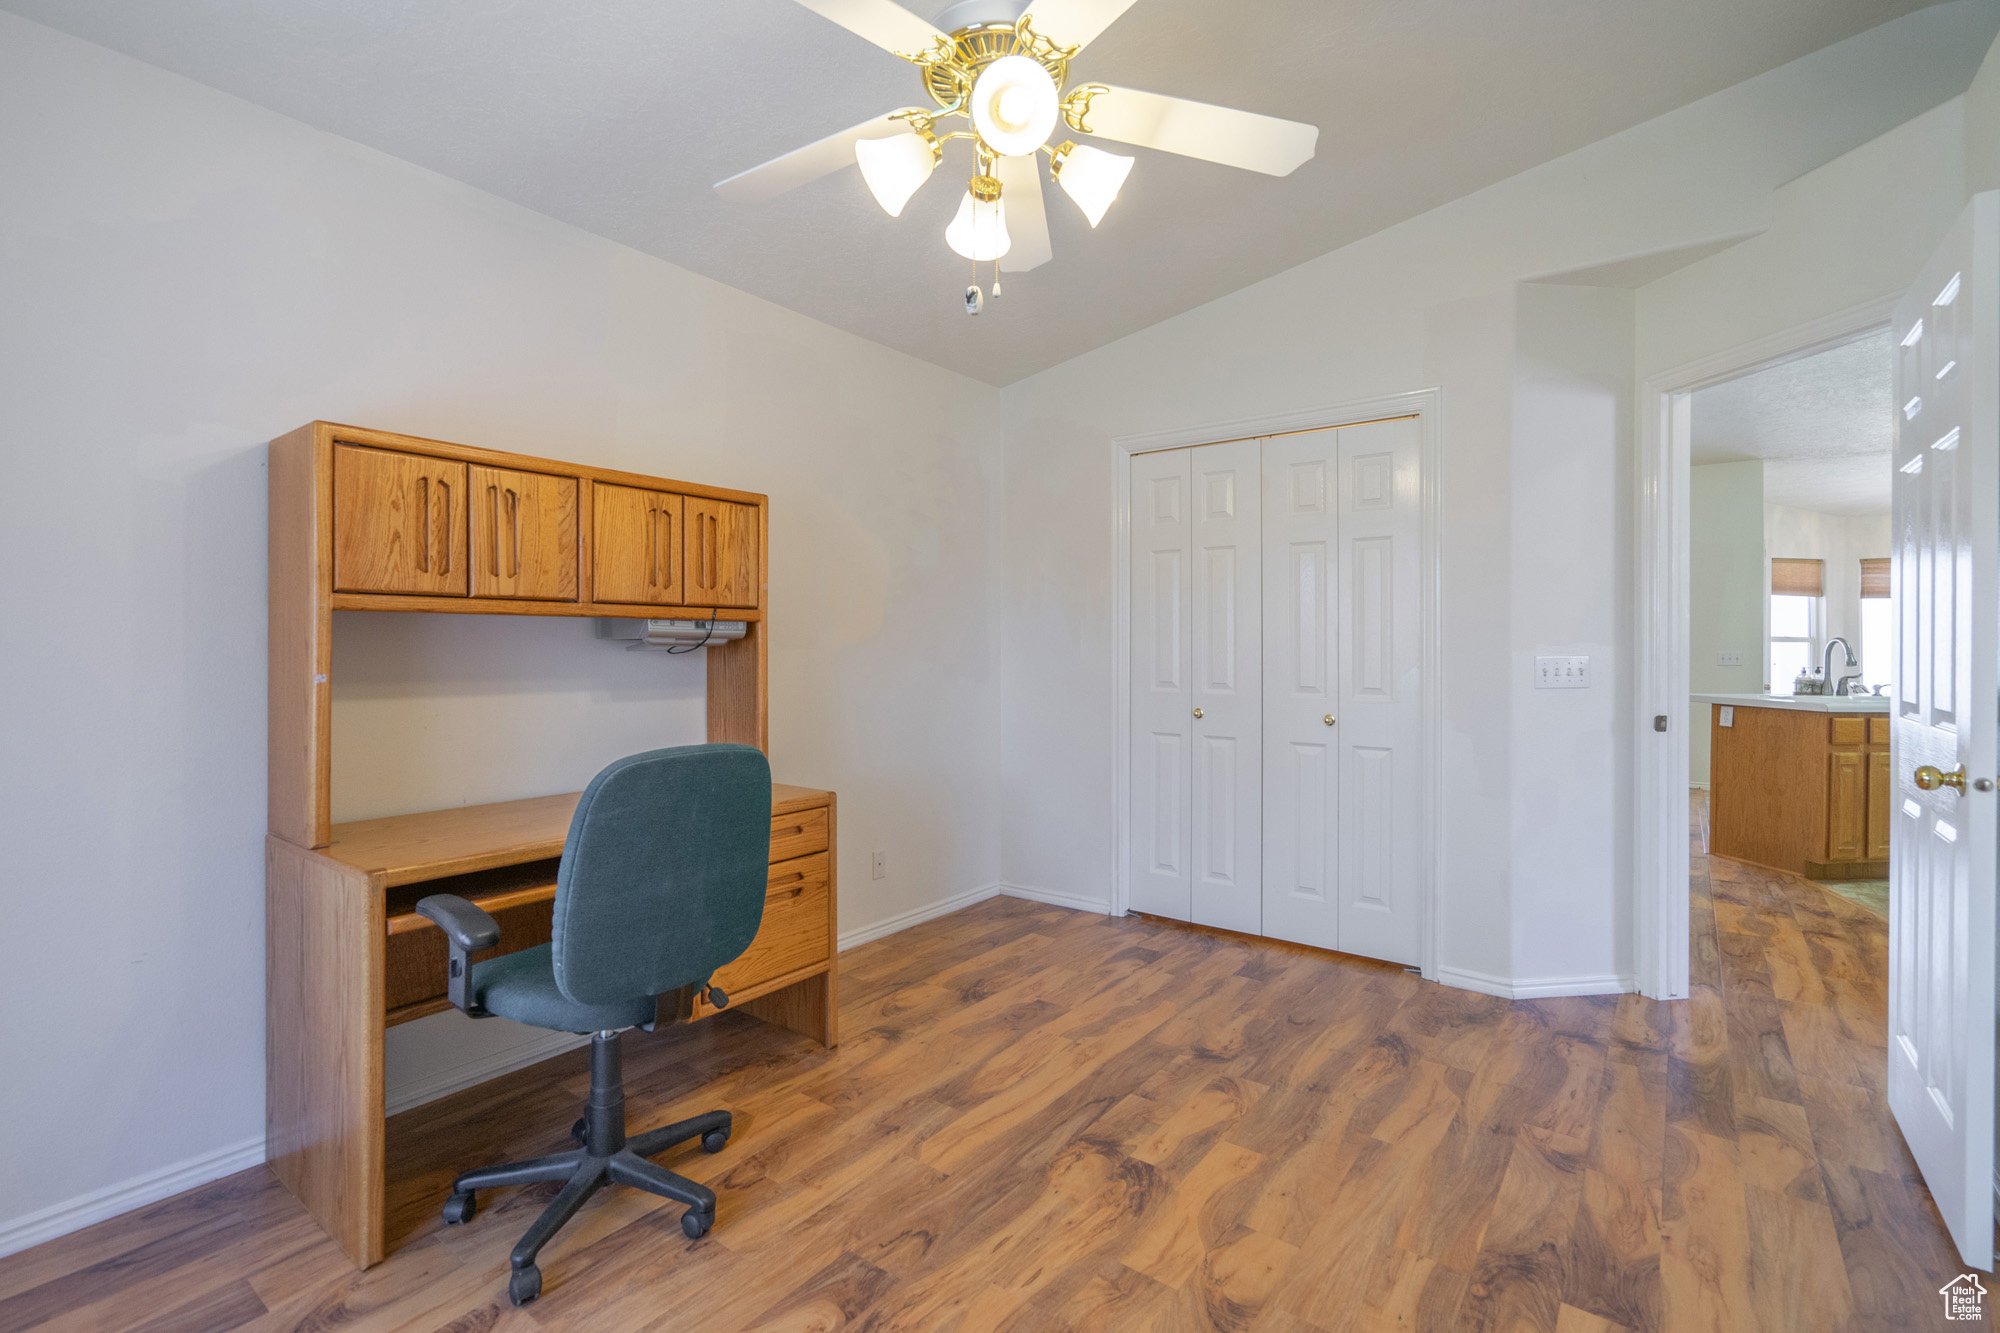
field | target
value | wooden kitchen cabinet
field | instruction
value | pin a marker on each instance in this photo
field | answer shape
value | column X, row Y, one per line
column 399, row 523
column 1881, row 796
column 1801, row 790
column 721, row 554
column 636, row 545
column 523, row 535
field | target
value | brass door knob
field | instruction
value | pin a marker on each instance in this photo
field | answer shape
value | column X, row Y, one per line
column 1328, row 719
column 1197, row 712
column 1930, row 778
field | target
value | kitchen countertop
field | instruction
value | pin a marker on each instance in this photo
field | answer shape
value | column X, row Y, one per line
column 1802, row 703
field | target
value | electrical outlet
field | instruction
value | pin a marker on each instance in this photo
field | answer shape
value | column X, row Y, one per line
column 1562, row 673
column 1729, row 659
column 881, row 864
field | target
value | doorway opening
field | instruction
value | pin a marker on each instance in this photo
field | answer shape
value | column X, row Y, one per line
column 1791, row 637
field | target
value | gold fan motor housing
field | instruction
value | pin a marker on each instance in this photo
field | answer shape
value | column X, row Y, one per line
column 950, row 69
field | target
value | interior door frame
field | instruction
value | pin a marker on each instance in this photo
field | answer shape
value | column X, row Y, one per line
column 1427, row 405
column 1665, row 542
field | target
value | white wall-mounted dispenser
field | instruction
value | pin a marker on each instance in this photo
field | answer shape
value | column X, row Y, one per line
column 673, row 635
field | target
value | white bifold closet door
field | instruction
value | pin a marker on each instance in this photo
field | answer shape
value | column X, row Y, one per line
column 1197, row 719
column 1343, row 854
column 1276, row 722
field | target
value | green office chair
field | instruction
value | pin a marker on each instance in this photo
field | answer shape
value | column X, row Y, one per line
column 662, row 882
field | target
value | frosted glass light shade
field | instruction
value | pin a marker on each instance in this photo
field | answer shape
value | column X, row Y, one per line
column 1090, row 176
column 1014, row 105
column 894, row 167
column 979, row 232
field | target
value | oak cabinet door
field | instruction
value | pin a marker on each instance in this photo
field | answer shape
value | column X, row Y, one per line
column 636, row 544
column 1847, row 805
column 1881, row 795
column 722, row 553
column 399, row 523
column 523, row 535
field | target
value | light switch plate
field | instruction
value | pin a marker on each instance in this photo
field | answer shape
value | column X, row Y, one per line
column 1728, row 718
column 1729, row 659
column 1562, row 673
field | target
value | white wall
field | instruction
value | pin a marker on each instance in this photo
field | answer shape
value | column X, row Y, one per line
column 1982, row 126
column 1433, row 301
column 186, row 276
column 1727, row 584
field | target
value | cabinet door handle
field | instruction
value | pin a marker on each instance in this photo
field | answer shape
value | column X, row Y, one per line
column 493, row 502
column 444, row 489
column 424, row 504
column 514, row 510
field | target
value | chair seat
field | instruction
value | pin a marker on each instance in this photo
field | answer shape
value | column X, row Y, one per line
column 522, row 986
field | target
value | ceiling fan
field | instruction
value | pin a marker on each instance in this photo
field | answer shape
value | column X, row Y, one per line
column 1002, row 67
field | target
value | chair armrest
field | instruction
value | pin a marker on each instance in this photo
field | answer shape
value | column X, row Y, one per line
column 468, row 928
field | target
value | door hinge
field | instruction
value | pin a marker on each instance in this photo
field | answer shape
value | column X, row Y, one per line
column 1659, row 722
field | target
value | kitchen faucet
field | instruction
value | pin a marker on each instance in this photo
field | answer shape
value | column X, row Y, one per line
column 1826, row 666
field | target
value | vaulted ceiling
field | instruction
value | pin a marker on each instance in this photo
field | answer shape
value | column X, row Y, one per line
column 618, row 116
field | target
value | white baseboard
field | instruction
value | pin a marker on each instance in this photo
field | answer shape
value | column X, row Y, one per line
column 915, row 916
column 455, row 1078
column 1698, row 786
column 1541, row 988
column 1101, row 906
column 138, row 1191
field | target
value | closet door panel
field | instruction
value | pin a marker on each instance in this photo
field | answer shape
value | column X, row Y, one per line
column 1160, row 759
column 1380, row 698
column 1302, row 772
column 1227, row 645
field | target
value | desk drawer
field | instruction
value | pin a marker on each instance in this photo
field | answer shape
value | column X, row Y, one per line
column 794, row 933
column 797, row 834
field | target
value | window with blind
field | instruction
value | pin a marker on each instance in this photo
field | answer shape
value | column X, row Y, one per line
column 1878, row 624
column 1796, row 589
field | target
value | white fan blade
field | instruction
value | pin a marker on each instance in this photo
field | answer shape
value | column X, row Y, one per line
column 805, row 164
column 1196, row 129
column 1027, row 221
column 1075, row 22
column 883, row 22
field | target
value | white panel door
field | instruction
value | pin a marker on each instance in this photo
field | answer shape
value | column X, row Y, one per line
column 1227, row 712
column 1160, row 853
column 1380, row 675
column 1301, row 662
column 1942, row 843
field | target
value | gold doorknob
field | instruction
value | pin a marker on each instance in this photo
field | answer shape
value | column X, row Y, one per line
column 1197, row 712
column 1930, row 778
column 1328, row 719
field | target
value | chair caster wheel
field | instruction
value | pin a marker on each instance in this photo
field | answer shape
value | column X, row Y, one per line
column 524, row 1285
column 715, row 1140
column 695, row 1225
column 580, row 1132
column 460, row 1207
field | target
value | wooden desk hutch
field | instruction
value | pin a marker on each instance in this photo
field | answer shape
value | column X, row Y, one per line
column 361, row 520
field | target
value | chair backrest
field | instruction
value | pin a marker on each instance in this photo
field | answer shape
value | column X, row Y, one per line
column 664, row 873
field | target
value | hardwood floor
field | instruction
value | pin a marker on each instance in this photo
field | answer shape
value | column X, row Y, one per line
column 1043, row 1120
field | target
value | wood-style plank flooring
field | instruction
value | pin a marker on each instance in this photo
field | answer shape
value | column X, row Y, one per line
column 1045, row 1120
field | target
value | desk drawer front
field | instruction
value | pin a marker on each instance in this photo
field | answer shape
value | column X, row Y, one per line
column 798, row 834
column 794, row 933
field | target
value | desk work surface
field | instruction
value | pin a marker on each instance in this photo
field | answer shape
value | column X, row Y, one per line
column 408, row 849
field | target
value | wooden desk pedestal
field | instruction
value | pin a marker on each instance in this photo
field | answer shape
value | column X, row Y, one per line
column 349, row 958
